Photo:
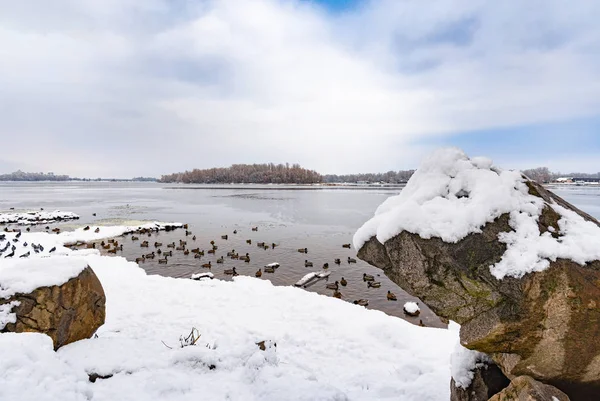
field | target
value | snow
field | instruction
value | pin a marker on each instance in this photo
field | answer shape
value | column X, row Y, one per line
column 25, row 275
column 37, row 217
column 316, row 347
column 199, row 276
column 6, row 315
column 451, row 196
column 411, row 307
column 464, row 361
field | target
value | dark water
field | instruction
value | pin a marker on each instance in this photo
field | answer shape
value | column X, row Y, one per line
column 318, row 219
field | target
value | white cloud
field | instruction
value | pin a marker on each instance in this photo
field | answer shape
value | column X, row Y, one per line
column 150, row 87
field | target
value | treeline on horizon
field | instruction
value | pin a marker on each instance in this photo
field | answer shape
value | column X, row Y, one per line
column 543, row 174
column 22, row 176
column 268, row 173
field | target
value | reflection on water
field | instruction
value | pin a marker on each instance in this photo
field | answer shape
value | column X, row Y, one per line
column 318, row 219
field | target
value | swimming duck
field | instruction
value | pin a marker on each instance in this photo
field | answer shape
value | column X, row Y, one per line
column 207, row 265
column 307, row 263
column 333, row 286
column 337, row 261
column 260, row 244
column 197, row 256
column 230, row 272
column 134, row 238
column 273, row 245
column 246, row 258
column 421, row 323
column 374, row 284
column 326, row 266
column 391, row 296
column 186, row 252
column 368, row 277
column 163, row 261
column 114, row 250
column 346, row 246
column 194, row 238
column 249, row 241
column 91, row 246
column 158, row 251
column 351, row 260
column 157, row 244
column 170, row 253
column 142, row 259
column 258, row 273
column 180, row 248
column 220, row 260
column 185, row 226
column 303, row 250
column 182, row 243
column 343, row 282
column 171, row 245
column 224, row 237
column 235, row 231
column 149, row 255
column 231, row 253
column 144, row 244
column 254, row 228
column 269, row 269
column 212, row 242
column 337, row 294
column 265, row 247
column 361, row 302
column 211, row 251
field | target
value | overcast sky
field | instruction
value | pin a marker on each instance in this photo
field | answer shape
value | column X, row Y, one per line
column 121, row 88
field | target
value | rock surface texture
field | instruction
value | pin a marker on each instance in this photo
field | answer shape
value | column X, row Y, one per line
column 545, row 324
column 67, row 313
column 524, row 388
column 487, row 381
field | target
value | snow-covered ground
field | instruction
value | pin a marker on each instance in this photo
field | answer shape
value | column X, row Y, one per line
column 451, row 196
column 36, row 217
column 316, row 347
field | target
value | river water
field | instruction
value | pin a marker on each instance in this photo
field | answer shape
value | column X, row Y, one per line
column 320, row 219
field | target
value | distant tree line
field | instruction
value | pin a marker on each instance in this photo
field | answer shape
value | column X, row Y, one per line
column 391, row 177
column 543, row 174
column 22, row 176
column 248, row 173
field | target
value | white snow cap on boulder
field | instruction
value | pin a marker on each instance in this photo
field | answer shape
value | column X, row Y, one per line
column 451, row 196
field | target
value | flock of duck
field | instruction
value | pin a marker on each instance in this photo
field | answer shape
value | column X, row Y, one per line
column 161, row 252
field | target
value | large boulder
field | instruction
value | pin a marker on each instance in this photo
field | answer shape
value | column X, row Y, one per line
column 524, row 388
column 544, row 323
column 69, row 312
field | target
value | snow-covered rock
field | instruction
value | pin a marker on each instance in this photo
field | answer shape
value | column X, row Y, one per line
column 411, row 309
column 517, row 266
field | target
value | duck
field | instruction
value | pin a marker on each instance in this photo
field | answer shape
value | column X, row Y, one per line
column 197, row 256
column 231, row 253
column 149, row 234
column 114, row 250
column 269, row 269
column 368, row 277
column 86, row 228
column 188, row 233
column 194, row 238
column 195, row 250
column 28, row 229
column 246, row 258
column 185, row 226
column 186, row 252
column 258, row 273
column 343, row 282
column 235, row 256
column 249, row 241
column 273, row 245
column 325, row 265
column 260, row 244
column 224, row 237
column 220, row 260
column 144, row 244
column 235, row 231
column 207, row 265
column 230, row 272
column 351, row 260
column 307, row 263
column 212, row 242
column 421, row 323
column 94, row 214
column 374, row 284
column 91, row 246
column 265, row 247
column 112, row 241
column 97, row 230
column 159, row 251
column 157, row 244
column 254, row 228
column 333, row 286
column 134, row 238
column 337, row 294
column 337, row 261
column 391, row 296
column 52, row 250
column 180, row 248
column 107, row 246
column 169, row 253
column 163, row 261
column 182, row 243
column 171, row 245
column 346, row 246
column 211, row 251
column 303, row 250
column 361, row 302
column 25, row 255
column 140, row 260
column 149, row 255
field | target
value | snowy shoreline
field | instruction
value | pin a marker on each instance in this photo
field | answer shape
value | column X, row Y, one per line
column 322, row 344
column 36, row 217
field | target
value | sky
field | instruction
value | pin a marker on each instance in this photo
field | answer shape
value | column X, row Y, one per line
column 123, row 88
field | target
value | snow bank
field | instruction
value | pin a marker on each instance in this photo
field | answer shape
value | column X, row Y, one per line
column 316, row 347
column 451, row 196
column 38, row 217
column 6, row 315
